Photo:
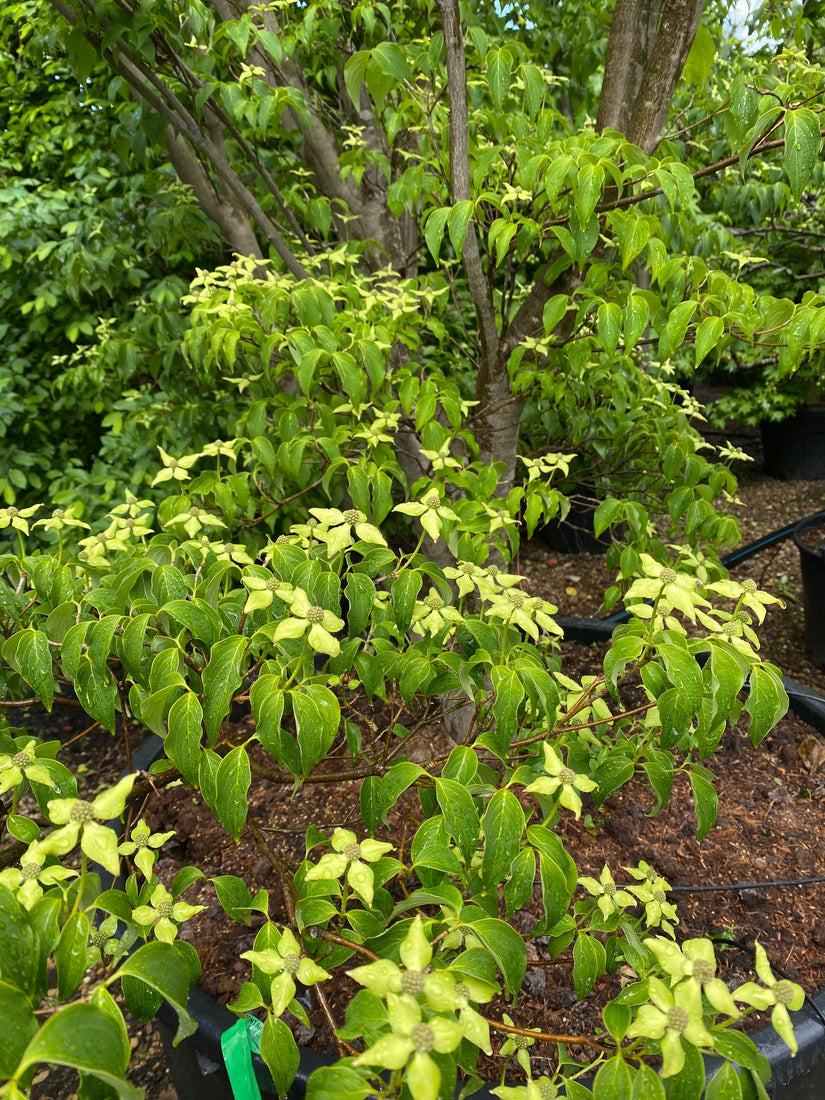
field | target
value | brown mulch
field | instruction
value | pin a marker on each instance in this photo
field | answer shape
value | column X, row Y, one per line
column 772, row 812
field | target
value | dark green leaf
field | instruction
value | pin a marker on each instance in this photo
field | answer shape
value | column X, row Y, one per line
column 221, row 679
column 280, row 1053
column 317, row 717
column 19, row 1026
column 88, row 1039
column 232, row 783
column 589, row 962
column 460, row 815
column 70, row 955
column 614, row 1081
column 502, row 826
column 183, row 741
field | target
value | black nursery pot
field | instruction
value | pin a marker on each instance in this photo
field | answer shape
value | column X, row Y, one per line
column 812, row 560
column 574, row 534
column 795, row 448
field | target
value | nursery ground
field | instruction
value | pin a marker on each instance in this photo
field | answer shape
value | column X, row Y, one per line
column 772, row 811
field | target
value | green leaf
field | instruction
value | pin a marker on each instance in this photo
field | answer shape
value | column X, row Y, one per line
column 70, row 955
column 617, row 1019
column 338, row 1083
column 509, row 693
column 724, row 1085
column 202, row 621
column 97, row 691
column 280, row 1053
column 162, row 967
column 518, row 888
column 499, row 72
column 690, row 1083
column 705, row 800
column 767, row 701
column 28, row 652
column 462, row 765
column 86, row 1038
column 221, row 679
column 683, row 672
column 589, row 190
column 233, row 779
column 802, row 144
column 390, row 59
column 82, row 54
column 589, row 963
column 457, row 223
column 404, row 590
column 17, row 938
column 19, row 1026
column 614, row 1081
column 740, row 1048
column 434, row 232
column 507, row 948
column 648, row 1085
column 394, row 782
column 360, row 595
column 708, row 335
column 502, row 826
column 431, row 847
column 533, row 88
column 460, row 815
column 317, row 718
column 609, row 325
column 183, row 741
column 699, row 64
column 553, row 312
column 676, row 327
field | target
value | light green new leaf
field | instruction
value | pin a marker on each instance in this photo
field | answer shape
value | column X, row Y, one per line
column 802, row 144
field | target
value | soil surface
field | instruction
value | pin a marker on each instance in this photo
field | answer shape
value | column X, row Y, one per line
column 772, row 812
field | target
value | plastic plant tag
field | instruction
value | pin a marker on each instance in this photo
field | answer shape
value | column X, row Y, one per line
column 238, row 1044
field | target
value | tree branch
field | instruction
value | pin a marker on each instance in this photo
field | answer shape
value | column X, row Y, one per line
column 234, row 225
column 677, row 30
column 632, row 34
column 460, row 175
